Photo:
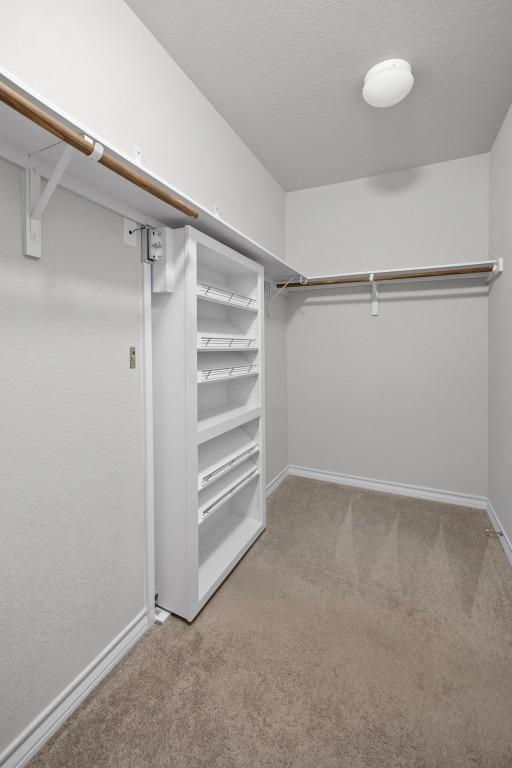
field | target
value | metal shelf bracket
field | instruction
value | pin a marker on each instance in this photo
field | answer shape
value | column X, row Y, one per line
column 273, row 294
column 375, row 295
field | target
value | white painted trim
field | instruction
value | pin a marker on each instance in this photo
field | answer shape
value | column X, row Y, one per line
column 401, row 489
column 22, row 749
column 161, row 615
column 276, row 482
column 496, row 523
column 147, row 400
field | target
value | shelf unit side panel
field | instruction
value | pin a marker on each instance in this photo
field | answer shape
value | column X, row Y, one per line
column 261, row 384
column 190, row 447
column 175, row 555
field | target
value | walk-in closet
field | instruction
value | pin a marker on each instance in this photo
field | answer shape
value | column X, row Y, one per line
column 255, row 410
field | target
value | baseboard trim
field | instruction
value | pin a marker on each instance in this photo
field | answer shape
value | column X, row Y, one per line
column 23, row 748
column 496, row 523
column 276, row 482
column 402, row 489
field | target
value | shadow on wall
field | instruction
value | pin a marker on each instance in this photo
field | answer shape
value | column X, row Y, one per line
column 395, row 182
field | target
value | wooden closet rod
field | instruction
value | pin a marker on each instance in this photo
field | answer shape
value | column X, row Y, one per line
column 81, row 143
column 410, row 274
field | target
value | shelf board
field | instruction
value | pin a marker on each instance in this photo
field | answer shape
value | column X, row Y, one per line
column 229, row 464
column 226, row 349
column 217, row 457
column 221, row 548
column 216, row 421
column 216, row 495
column 218, row 326
column 217, row 335
column 217, row 342
column 226, row 303
column 233, row 364
column 227, row 377
column 19, row 138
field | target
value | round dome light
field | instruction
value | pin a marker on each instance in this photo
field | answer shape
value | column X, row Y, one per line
column 387, row 83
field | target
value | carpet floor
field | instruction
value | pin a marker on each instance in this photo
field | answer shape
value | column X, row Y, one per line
column 363, row 630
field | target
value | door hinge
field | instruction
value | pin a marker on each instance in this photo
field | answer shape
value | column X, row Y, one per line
column 159, row 252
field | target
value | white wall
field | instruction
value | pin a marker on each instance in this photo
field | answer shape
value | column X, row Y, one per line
column 74, row 537
column 428, row 215
column 276, row 386
column 100, row 64
column 72, row 545
column 500, row 329
column 400, row 397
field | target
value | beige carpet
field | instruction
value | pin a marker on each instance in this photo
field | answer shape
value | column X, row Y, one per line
column 362, row 631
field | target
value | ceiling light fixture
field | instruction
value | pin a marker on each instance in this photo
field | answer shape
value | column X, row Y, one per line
column 387, row 83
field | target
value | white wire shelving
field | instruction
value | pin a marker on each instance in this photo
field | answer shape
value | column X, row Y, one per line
column 225, row 296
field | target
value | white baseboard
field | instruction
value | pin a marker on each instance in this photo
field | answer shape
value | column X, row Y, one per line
column 496, row 523
column 23, row 748
column 276, row 482
column 402, row 489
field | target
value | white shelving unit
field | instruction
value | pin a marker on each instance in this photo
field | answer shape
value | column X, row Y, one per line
column 221, row 454
column 208, row 424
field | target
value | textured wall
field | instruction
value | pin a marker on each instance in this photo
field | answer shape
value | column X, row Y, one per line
column 73, row 453
column 103, row 67
column 400, row 397
column 500, row 328
column 72, row 542
column 428, row 215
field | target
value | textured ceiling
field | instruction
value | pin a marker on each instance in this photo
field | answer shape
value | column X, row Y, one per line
column 287, row 76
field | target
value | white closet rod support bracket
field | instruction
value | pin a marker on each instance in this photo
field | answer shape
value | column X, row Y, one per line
column 274, row 295
column 375, row 295
column 497, row 268
column 267, row 287
column 36, row 201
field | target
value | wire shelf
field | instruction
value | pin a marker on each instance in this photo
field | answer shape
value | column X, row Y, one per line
column 226, row 342
column 222, row 468
column 220, row 500
column 225, row 296
column 218, row 374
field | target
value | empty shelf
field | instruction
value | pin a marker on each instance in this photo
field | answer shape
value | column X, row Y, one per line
column 224, row 342
column 222, row 374
column 226, row 296
column 215, row 496
column 220, row 333
column 218, row 420
column 222, row 548
column 216, row 457
column 216, row 334
column 227, row 366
